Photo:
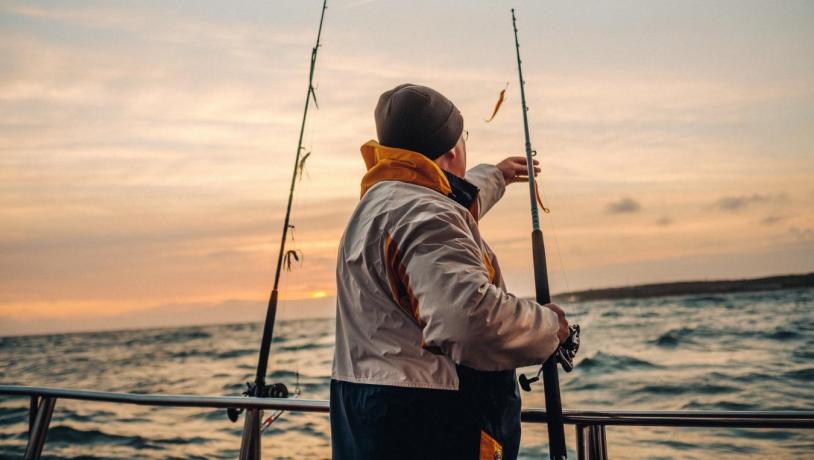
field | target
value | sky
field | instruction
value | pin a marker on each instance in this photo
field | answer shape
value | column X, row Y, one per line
column 146, row 148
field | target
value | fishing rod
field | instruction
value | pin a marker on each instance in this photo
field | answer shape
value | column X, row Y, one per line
column 250, row 444
column 567, row 350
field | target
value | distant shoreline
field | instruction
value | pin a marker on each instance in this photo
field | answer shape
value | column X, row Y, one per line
column 770, row 283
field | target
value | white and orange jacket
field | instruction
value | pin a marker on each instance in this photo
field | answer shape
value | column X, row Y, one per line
column 419, row 290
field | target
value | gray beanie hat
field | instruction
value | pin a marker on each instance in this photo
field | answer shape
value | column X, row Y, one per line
column 418, row 118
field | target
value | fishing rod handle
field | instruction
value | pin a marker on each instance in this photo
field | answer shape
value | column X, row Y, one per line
column 553, row 408
column 540, row 267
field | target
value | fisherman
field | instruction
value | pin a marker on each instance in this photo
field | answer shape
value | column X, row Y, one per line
column 427, row 337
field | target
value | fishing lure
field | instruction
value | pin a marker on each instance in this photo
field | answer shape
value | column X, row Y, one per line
column 499, row 103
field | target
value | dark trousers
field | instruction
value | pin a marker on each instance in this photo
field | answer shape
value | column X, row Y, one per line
column 371, row 422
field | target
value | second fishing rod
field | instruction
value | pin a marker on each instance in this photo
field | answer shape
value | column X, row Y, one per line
column 566, row 351
column 250, row 447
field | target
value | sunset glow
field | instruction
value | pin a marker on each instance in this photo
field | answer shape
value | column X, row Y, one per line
column 319, row 294
column 147, row 148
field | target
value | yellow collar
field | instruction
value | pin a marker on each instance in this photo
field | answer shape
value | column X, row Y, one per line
column 388, row 163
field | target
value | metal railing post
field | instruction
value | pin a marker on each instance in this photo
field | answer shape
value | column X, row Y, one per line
column 591, row 442
column 581, row 455
column 34, row 402
column 602, row 442
column 39, row 428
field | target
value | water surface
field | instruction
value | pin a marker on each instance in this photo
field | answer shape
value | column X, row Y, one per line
column 745, row 351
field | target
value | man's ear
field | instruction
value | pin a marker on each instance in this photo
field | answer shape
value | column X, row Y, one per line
column 444, row 160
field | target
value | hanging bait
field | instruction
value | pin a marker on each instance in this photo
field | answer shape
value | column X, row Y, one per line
column 499, row 103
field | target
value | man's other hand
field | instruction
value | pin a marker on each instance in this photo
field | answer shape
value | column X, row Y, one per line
column 563, row 332
column 515, row 169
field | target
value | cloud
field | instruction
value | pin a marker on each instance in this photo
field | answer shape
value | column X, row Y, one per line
column 664, row 221
column 355, row 4
column 771, row 220
column 626, row 205
column 146, row 151
column 736, row 203
column 802, row 234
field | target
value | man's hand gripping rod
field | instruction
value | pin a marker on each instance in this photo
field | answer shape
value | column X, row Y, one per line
column 565, row 356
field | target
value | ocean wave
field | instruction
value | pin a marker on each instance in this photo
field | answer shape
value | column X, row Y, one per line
column 182, row 335
column 305, row 346
column 748, row 377
column 9, row 415
column 636, row 359
column 283, row 374
column 231, row 388
column 805, row 374
column 732, row 448
column 607, row 362
column 673, row 337
column 718, row 405
column 693, row 300
column 776, row 435
column 236, row 353
column 315, row 430
column 155, row 336
column 90, row 416
column 20, row 436
column 695, row 335
column 804, row 353
column 74, row 436
column 59, row 457
column 685, row 388
column 217, row 415
column 577, row 384
column 783, row 334
column 673, row 444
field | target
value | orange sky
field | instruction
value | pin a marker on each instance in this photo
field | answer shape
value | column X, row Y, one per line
column 147, row 149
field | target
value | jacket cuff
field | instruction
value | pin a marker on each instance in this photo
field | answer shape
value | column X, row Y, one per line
column 551, row 342
column 489, row 180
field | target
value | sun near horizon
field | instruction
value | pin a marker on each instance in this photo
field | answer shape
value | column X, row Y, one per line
column 319, row 294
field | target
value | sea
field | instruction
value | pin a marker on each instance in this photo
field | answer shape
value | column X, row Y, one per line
column 740, row 351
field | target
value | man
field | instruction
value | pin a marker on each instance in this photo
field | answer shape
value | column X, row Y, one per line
column 427, row 338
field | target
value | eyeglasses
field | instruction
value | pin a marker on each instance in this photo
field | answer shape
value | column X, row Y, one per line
column 465, row 135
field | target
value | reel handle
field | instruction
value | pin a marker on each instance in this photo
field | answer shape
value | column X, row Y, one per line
column 233, row 413
column 525, row 382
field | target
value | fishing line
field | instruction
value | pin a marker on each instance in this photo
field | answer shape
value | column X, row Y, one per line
column 556, row 241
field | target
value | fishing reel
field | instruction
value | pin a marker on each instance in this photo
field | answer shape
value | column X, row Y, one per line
column 564, row 355
column 275, row 390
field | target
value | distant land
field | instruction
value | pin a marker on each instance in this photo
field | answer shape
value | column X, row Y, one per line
column 691, row 287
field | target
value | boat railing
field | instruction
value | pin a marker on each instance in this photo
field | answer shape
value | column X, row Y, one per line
column 590, row 424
